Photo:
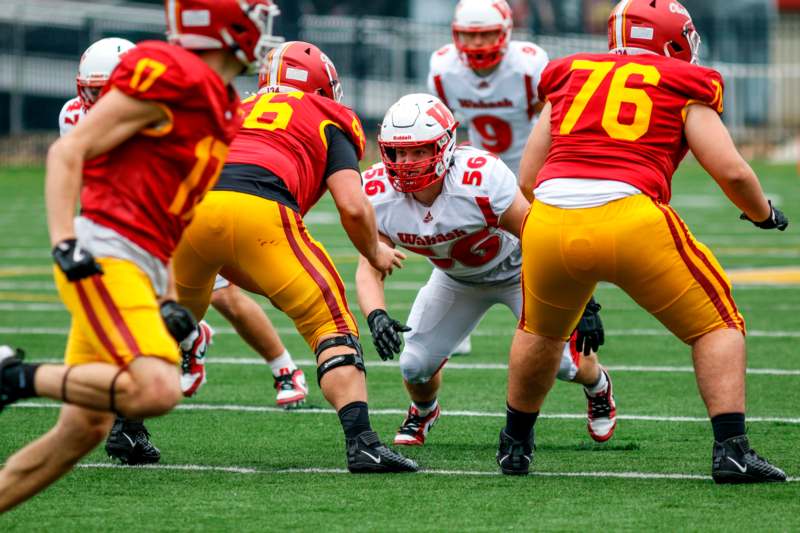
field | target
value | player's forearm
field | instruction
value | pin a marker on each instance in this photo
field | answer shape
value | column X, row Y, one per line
column 62, row 188
column 359, row 224
column 744, row 190
column 369, row 287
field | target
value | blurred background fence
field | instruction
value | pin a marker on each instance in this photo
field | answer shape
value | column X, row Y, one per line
column 754, row 43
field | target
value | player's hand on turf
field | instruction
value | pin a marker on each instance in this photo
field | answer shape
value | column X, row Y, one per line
column 590, row 334
column 386, row 333
column 775, row 220
column 179, row 321
column 387, row 259
column 75, row 262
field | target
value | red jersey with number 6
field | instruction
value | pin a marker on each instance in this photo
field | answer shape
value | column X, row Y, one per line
column 147, row 187
column 285, row 133
column 621, row 117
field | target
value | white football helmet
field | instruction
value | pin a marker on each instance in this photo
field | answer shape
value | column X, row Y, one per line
column 473, row 16
column 417, row 120
column 96, row 66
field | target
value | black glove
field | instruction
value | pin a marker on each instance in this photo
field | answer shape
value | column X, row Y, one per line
column 590, row 334
column 776, row 219
column 179, row 321
column 75, row 262
column 386, row 333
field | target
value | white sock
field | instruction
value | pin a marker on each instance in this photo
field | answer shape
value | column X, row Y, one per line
column 598, row 387
column 283, row 361
column 423, row 412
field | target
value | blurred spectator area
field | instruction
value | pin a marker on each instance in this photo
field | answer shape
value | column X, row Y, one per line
column 381, row 49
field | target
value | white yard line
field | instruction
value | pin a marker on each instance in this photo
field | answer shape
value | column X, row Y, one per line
column 644, row 332
column 397, row 412
column 429, row 472
column 255, row 361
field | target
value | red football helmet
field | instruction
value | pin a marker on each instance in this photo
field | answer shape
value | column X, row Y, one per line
column 417, row 120
column 242, row 26
column 299, row 66
column 663, row 27
column 478, row 16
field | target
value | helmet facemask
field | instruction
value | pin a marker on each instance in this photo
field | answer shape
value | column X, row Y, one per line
column 414, row 176
column 484, row 57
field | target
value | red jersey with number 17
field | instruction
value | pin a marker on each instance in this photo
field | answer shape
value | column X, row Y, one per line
column 621, row 117
column 146, row 188
column 285, row 133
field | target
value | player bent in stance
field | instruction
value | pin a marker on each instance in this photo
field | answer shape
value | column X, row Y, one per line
column 129, row 440
column 461, row 208
column 296, row 142
column 140, row 160
column 601, row 173
column 255, row 327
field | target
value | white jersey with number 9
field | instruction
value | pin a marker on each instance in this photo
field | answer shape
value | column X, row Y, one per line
column 498, row 109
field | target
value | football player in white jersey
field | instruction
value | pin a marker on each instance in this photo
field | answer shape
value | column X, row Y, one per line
column 488, row 80
column 129, row 440
column 462, row 209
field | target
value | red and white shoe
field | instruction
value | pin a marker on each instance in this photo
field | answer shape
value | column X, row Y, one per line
column 193, row 359
column 292, row 388
column 602, row 412
column 415, row 427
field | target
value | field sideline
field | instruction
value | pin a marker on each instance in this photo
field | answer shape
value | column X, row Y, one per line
column 232, row 461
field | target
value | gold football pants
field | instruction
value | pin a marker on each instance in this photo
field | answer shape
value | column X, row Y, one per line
column 115, row 316
column 638, row 244
column 264, row 247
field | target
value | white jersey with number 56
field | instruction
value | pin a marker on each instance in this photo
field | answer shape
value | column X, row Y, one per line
column 498, row 109
column 459, row 233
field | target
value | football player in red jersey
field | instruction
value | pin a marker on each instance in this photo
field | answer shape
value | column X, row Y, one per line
column 141, row 160
column 297, row 141
column 599, row 165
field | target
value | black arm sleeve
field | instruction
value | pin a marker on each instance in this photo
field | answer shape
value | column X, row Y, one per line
column 341, row 151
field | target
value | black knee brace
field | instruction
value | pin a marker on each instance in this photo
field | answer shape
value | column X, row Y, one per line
column 356, row 359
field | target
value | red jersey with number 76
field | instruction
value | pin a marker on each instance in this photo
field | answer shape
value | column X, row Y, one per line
column 147, row 187
column 621, row 117
column 285, row 134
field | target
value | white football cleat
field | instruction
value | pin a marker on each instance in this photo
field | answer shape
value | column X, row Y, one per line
column 193, row 354
column 292, row 388
column 602, row 412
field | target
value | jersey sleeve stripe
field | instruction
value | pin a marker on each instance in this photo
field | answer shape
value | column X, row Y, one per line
column 705, row 283
column 437, row 81
column 94, row 323
column 330, row 300
column 163, row 128
column 717, row 96
column 322, row 131
column 116, row 316
column 323, row 258
column 485, row 206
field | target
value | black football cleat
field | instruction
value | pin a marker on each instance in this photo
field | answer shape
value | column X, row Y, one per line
column 514, row 457
column 734, row 461
column 129, row 442
column 9, row 357
column 367, row 455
